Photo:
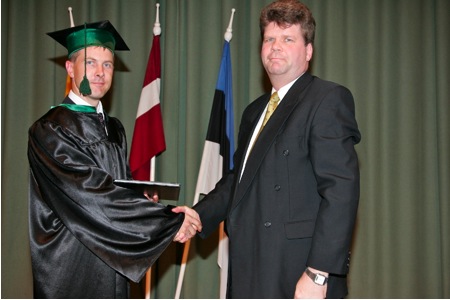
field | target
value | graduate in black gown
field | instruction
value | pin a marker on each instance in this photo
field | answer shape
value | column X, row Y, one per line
column 88, row 237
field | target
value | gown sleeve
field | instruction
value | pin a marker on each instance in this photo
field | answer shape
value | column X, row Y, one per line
column 74, row 197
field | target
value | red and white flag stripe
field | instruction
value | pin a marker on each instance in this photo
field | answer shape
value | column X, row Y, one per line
column 148, row 137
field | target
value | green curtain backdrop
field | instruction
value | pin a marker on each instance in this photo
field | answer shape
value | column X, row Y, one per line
column 394, row 55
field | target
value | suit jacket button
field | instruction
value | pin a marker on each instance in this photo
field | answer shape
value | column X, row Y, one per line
column 267, row 224
column 277, row 187
column 286, row 152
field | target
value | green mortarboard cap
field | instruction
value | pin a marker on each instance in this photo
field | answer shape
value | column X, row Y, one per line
column 96, row 34
column 101, row 34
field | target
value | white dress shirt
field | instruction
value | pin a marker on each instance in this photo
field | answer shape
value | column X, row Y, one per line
column 77, row 100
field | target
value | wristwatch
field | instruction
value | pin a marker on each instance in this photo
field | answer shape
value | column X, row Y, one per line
column 317, row 278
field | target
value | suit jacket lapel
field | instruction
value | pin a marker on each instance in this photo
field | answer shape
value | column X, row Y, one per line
column 268, row 135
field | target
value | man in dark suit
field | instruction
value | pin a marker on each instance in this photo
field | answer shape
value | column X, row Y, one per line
column 290, row 204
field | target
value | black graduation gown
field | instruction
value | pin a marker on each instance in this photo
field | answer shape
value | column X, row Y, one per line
column 88, row 236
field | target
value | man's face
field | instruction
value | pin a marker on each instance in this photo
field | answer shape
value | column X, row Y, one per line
column 284, row 53
column 99, row 72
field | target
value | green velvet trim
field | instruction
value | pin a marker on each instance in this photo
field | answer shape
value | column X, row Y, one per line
column 79, row 108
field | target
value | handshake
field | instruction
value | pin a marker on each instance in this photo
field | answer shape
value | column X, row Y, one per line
column 190, row 226
column 191, row 223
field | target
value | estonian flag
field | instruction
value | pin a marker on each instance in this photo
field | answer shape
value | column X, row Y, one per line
column 218, row 151
column 219, row 145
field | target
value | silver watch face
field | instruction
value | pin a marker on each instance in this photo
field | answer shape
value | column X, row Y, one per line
column 320, row 279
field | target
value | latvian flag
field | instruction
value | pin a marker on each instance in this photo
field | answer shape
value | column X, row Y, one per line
column 148, row 137
column 218, row 150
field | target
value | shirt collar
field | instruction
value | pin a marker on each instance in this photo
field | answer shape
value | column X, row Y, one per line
column 283, row 90
column 78, row 100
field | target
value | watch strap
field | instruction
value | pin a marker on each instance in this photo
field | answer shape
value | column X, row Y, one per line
column 316, row 278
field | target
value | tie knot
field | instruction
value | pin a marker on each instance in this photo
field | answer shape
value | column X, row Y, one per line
column 274, row 98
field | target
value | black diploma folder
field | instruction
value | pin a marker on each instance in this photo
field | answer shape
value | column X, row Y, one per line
column 165, row 190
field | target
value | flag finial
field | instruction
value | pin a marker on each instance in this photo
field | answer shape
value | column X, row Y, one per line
column 157, row 26
column 228, row 34
column 72, row 24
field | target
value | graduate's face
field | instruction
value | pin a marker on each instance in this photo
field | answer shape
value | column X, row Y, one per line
column 99, row 72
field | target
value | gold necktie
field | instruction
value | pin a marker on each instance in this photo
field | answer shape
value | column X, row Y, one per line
column 273, row 103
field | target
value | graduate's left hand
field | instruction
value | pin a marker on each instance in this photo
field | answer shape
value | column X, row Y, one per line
column 153, row 198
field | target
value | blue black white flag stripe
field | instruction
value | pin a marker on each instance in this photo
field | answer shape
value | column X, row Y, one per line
column 218, row 151
column 217, row 158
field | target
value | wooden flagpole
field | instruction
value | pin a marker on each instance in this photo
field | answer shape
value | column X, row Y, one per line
column 227, row 36
column 148, row 275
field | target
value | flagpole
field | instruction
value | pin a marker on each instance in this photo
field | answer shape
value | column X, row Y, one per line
column 223, row 251
column 227, row 36
column 72, row 24
column 148, row 275
column 229, row 33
